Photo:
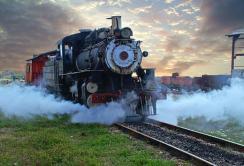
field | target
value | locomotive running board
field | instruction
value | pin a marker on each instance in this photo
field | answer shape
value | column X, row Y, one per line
column 81, row 72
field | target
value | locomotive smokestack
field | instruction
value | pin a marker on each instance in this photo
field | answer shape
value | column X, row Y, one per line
column 116, row 23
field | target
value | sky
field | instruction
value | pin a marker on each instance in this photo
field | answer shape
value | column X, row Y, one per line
column 185, row 36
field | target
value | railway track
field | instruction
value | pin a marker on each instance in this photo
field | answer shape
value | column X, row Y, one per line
column 200, row 148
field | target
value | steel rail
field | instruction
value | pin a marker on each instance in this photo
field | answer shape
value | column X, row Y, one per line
column 170, row 148
column 206, row 137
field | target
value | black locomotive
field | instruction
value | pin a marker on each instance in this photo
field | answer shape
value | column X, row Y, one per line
column 99, row 66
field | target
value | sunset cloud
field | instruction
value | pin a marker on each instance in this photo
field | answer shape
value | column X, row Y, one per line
column 30, row 28
column 222, row 16
column 181, row 36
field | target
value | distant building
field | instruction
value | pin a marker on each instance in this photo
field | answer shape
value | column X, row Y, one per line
column 8, row 76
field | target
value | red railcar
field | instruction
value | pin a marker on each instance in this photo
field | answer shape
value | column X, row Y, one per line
column 166, row 80
column 181, row 81
column 34, row 67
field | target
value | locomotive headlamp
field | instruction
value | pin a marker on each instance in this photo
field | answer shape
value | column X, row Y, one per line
column 91, row 87
column 126, row 32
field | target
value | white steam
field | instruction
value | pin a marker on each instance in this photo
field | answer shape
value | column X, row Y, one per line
column 73, row 89
column 214, row 105
column 28, row 101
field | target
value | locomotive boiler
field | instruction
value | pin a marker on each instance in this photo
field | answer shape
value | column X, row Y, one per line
column 97, row 66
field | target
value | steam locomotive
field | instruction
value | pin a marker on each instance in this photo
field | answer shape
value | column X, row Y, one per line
column 97, row 66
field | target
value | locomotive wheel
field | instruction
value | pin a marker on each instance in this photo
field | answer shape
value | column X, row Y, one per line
column 89, row 101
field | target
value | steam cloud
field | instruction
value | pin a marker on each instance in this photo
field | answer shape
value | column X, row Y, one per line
column 215, row 105
column 28, row 101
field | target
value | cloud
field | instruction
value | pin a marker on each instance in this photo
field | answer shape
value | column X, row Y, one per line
column 216, row 19
column 188, row 11
column 171, row 11
column 171, row 64
column 222, row 16
column 189, row 31
column 96, row 3
column 165, row 61
column 30, row 27
column 182, row 66
column 138, row 10
column 116, row 2
column 168, row 1
column 173, row 43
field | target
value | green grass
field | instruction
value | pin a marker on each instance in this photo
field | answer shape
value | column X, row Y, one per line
column 228, row 129
column 57, row 142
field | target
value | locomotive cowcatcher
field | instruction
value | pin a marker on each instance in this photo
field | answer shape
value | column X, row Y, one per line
column 97, row 66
